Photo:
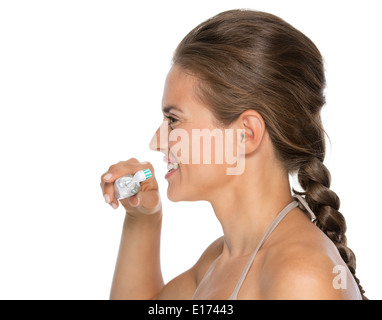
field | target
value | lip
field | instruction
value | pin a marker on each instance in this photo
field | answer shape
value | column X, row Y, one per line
column 169, row 174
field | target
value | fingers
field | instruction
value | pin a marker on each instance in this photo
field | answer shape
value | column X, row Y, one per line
column 120, row 169
column 108, row 194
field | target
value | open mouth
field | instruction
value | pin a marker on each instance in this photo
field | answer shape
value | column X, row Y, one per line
column 172, row 166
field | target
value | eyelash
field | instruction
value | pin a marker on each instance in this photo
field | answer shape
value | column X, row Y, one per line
column 171, row 120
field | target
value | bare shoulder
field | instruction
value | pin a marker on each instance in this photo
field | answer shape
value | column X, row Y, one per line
column 300, row 276
column 307, row 266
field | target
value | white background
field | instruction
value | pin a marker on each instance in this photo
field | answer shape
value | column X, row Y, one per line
column 80, row 89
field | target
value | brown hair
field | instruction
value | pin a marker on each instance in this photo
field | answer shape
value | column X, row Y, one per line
column 254, row 60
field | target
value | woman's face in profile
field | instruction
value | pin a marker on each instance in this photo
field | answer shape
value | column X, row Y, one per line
column 190, row 137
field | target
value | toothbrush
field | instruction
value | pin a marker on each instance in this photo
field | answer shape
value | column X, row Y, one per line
column 141, row 175
column 128, row 186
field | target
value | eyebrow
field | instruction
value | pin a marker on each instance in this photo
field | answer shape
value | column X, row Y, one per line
column 168, row 109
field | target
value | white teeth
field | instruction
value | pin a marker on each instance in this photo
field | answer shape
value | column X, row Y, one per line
column 172, row 166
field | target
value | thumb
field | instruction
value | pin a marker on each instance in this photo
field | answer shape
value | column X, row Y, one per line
column 147, row 202
column 135, row 200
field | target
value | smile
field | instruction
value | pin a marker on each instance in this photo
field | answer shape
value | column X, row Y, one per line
column 172, row 166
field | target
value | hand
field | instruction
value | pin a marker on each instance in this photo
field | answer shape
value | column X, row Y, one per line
column 146, row 201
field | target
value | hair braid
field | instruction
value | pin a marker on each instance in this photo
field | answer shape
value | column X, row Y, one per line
column 315, row 179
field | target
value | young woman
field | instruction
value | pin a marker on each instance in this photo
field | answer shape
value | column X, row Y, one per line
column 259, row 82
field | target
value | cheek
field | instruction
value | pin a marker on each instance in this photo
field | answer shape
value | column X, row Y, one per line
column 203, row 169
column 179, row 143
column 196, row 182
column 203, row 178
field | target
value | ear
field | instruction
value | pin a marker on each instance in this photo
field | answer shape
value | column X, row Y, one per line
column 254, row 127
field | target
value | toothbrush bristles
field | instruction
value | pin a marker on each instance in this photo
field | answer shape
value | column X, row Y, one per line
column 147, row 173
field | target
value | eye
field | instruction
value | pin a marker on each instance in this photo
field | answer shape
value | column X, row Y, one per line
column 171, row 120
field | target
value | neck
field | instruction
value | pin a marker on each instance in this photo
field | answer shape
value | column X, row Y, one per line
column 248, row 207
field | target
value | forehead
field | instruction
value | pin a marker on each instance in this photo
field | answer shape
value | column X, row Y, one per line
column 179, row 89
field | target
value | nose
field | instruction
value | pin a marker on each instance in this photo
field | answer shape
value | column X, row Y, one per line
column 159, row 141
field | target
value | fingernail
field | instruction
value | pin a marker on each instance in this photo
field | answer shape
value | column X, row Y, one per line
column 107, row 198
column 114, row 205
column 138, row 200
column 107, row 176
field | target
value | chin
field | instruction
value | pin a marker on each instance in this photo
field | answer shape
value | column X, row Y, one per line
column 173, row 197
column 177, row 194
column 173, row 194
